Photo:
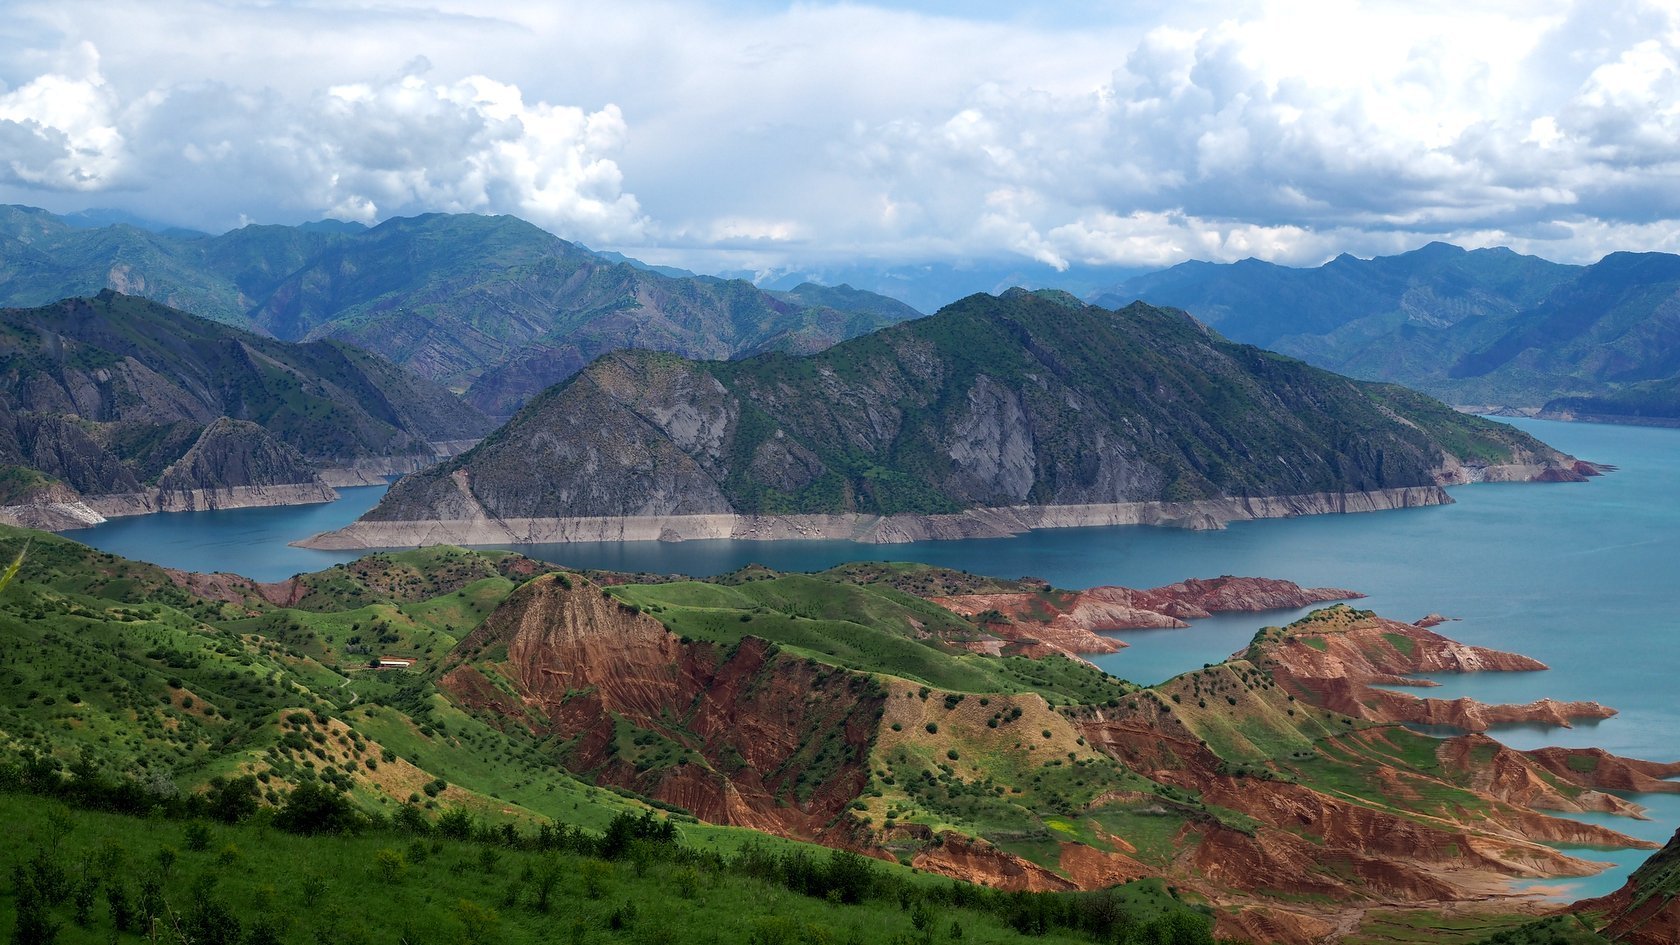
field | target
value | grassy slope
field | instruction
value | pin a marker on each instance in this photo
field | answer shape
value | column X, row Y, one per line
column 440, row 890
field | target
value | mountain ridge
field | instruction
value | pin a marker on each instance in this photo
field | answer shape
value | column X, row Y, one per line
column 996, row 415
column 1487, row 328
column 123, row 406
column 450, row 296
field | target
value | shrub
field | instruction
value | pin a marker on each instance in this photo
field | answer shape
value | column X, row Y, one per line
column 456, row 823
column 314, row 808
column 389, row 865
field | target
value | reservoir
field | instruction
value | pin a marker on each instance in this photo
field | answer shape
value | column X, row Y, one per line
column 1583, row 576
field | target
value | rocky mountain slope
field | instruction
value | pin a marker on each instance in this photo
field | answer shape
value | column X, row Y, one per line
column 449, row 296
column 996, row 415
column 132, row 406
column 1036, row 774
column 1484, row 327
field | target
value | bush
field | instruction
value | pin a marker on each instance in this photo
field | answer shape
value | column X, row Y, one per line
column 314, row 808
column 389, row 865
column 456, row 823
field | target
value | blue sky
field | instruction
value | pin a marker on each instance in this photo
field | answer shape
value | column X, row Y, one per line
column 762, row 135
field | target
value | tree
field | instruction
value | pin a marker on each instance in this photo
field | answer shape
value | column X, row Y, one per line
column 34, row 924
column 233, row 800
column 314, row 808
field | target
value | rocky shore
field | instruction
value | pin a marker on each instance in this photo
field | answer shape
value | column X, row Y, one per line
column 475, row 526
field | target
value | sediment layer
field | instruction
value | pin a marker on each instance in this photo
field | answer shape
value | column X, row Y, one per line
column 484, row 529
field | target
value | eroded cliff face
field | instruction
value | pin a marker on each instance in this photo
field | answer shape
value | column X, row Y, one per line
column 1240, row 782
column 236, row 463
column 744, row 735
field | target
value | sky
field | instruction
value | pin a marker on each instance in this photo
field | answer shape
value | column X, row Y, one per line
column 758, row 135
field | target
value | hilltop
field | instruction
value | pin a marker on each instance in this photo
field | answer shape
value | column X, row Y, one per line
column 996, row 415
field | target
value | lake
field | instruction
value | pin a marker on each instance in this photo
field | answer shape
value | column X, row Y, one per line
column 1584, row 576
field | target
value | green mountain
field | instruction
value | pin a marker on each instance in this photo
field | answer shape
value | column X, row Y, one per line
column 1485, row 327
column 115, row 396
column 1025, row 400
column 449, row 296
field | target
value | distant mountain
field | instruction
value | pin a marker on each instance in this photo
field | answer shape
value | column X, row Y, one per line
column 119, row 396
column 1014, row 403
column 450, row 296
column 929, row 287
column 1485, row 327
column 1279, row 307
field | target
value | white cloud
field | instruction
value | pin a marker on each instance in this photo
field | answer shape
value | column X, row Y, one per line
column 686, row 128
column 58, row 131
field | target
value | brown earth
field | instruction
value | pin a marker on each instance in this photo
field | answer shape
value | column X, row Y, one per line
column 977, row 861
column 1521, row 778
column 1645, row 910
column 750, row 736
column 1070, row 622
column 1337, row 657
column 761, row 739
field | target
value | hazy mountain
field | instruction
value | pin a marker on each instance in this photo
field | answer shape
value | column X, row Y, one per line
column 929, row 287
column 1487, row 327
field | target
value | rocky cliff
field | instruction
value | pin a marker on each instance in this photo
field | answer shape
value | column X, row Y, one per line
column 237, row 463
column 740, row 735
column 997, row 415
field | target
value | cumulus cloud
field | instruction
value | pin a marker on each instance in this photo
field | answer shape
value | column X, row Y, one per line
column 359, row 151
column 1212, row 129
column 58, row 131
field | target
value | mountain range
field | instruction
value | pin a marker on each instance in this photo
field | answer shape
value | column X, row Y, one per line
column 499, row 309
column 1488, row 327
column 998, row 414
column 493, row 306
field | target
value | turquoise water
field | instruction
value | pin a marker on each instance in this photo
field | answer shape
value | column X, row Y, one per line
column 251, row 542
column 1583, row 576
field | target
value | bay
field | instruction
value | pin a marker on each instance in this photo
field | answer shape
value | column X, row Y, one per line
column 1583, row 576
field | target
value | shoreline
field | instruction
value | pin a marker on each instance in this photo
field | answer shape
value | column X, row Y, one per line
column 76, row 511
column 869, row 529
